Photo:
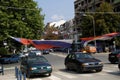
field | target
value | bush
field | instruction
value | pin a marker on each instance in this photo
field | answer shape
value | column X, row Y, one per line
column 3, row 51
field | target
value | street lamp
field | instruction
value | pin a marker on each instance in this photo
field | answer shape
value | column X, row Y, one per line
column 93, row 20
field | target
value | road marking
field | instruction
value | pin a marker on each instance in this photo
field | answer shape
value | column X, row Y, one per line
column 9, row 68
column 65, row 74
column 59, row 54
column 54, row 78
column 34, row 79
column 86, row 75
column 107, row 70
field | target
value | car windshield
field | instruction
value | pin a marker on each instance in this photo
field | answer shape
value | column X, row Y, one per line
column 116, row 52
column 83, row 55
column 37, row 59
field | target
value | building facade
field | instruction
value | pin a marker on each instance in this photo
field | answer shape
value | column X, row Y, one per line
column 67, row 29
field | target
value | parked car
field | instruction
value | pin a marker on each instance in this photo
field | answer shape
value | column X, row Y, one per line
column 112, row 57
column 46, row 51
column 81, row 62
column 13, row 58
column 35, row 65
column 4, row 60
column 38, row 52
column 118, row 61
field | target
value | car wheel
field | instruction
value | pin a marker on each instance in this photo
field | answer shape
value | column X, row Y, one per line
column 66, row 67
column 49, row 74
column 98, row 70
column 112, row 62
column 79, row 69
column 28, row 75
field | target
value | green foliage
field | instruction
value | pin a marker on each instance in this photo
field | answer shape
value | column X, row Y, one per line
column 50, row 33
column 3, row 51
column 20, row 18
column 106, row 21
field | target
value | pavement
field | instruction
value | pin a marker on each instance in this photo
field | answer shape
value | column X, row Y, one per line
column 8, row 75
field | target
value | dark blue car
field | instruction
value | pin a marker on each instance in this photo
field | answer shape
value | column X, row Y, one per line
column 14, row 58
column 10, row 59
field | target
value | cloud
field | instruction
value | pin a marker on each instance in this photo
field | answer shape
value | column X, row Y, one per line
column 57, row 17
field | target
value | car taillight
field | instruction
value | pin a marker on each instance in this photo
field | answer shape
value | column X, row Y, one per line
column 118, row 55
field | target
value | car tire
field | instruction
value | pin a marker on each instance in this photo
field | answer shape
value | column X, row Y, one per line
column 79, row 69
column 28, row 75
column 112, row 62
column 49, row 74
column 66, row 67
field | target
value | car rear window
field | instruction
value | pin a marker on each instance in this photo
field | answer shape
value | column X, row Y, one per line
column 116, row 52
column 83, row 55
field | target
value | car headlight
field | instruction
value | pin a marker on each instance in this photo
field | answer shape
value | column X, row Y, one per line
column 100, row 62
column 33, row 68
column 49, row 67
column 85, row 64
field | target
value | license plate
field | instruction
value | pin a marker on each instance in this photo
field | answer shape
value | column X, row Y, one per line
column 42, row 70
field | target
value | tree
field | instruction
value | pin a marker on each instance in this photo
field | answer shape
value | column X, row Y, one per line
column 106, row 21
column 20, row 18
column 51, row 33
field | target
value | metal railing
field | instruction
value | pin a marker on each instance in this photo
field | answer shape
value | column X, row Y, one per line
column 19, row 75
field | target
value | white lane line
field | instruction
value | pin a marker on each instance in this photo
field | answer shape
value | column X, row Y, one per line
column 35, row 79
column 86, row 75
column 60, row 55
column 107, row 70
column 9, row 68
column 54, row 78
column 65, row 74
column 102, row 73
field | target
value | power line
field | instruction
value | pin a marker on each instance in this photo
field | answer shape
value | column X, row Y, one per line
column 99, row 12
column 17, row 8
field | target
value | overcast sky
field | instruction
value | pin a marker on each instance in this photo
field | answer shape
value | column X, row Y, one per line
column 55, row 10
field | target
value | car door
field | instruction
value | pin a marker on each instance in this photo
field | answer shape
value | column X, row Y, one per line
column 70, row 61
column 73, row 61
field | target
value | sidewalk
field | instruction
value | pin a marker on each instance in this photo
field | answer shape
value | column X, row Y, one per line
column 8, row 75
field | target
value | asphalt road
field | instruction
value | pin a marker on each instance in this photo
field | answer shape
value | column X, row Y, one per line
column 110, row 71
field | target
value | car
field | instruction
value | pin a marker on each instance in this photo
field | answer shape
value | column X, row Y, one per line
column 118, row 61
column 46, row 51
column 112, row 57
column 81, row 62
column 35, row 65
column 4, row 60
column 38, row 52
column 13, row 58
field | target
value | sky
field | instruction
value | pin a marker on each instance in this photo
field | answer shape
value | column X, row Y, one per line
column 56, row 10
